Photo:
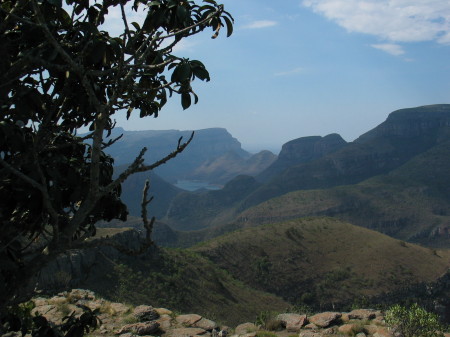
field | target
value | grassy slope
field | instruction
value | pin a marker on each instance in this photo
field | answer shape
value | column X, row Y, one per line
column 322, row 260
column 183, row 281
column 409, row 203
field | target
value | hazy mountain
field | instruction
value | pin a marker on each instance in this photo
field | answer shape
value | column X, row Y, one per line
column 405, row 134
column 224, row 168
column 207, row 144
column 302, row 150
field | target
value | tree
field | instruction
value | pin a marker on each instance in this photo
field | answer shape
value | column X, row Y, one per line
column 414, row 321
column 60, row 71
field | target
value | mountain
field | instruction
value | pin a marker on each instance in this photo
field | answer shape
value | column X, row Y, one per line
column 222, row 169
column 207, row 144
column 302, row 150
column 163, row 192
column 410, row 203
column 322, row 261
column 405, row 134
column 196, row 210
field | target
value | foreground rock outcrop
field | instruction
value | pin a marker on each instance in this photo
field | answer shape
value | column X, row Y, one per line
column 123, row 320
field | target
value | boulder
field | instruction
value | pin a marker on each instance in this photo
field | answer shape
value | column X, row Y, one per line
column 325, row 319
column 186, row 332
column 118, row 308
column 163, row 311
column 292, row 322
column 144, row 313
column 244, row 328
column 309, row 334
column 206, row 324
column 364, row 314
column 165, row 322
column 141, row 329
column 188, row 320
column 348, row 329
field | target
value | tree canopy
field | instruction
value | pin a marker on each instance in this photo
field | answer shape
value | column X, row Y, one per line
column 60, row 70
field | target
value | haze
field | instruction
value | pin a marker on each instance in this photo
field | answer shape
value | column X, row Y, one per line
column 300, row 68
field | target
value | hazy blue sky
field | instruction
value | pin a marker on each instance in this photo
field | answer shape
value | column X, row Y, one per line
column 297, row 68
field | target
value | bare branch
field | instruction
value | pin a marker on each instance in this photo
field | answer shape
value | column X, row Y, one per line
column 111, row 142
column 138, row 166
column 147, row 225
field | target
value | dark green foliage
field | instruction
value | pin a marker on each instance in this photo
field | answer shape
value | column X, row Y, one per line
column 414, row 321
column 60, row 71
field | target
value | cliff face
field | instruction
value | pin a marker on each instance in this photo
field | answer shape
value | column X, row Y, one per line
column 303, row 150
column 412, row 122
column 206, row 145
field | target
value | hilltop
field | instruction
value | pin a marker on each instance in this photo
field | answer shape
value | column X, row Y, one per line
column 406, row 135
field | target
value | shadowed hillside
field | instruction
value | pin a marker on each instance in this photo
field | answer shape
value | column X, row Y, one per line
column 405, row 134
column 322, row 260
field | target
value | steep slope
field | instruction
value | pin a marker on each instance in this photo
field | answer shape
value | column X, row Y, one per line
column 405, row 134
column 410, row 203
column 322, row 261
column 201, row 209
column 302, row 150
column 206, row 145
column 162, row 191
column 222, row 169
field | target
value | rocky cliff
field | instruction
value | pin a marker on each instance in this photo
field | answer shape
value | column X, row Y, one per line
column 207, row 144
column 302, row 150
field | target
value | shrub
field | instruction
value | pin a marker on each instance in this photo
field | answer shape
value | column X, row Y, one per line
column 414, row 321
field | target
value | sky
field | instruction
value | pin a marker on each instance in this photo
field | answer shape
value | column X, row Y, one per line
column 296, row 68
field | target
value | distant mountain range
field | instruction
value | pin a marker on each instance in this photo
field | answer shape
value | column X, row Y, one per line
column 410, row 148
column 292, row 233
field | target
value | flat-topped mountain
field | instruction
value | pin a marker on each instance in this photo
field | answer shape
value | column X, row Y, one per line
column 213, row 157
column 207, row 144
column 302, row 150
column 404, row 135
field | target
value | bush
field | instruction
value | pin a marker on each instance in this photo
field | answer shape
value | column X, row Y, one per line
column 414, row 321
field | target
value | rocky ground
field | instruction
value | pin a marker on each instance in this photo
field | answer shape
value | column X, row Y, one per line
column 122, row 320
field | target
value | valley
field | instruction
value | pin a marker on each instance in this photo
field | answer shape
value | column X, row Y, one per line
column 326, row 224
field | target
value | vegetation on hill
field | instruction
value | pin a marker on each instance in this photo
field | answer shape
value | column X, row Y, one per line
column 404, row 135
column 322, row 261
column 182, row 280
column 410, row 203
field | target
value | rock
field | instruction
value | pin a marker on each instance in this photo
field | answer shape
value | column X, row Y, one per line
column 163, row 311
column 206, row 324
column 186, row 332
column 348, row 329
column 382, row 332
column 330, row 331
column 344, row 317
column 361, row 334
column 311, row 326
column 309, row 334
column 325, row 319
column 365, row 314
column 145, row 313
column 39, row 301
column 79, row 294
column 292, row 322
column 165, row 322
column 141, row 329
column 118, row 308
column 188, row 320
column 244, row 328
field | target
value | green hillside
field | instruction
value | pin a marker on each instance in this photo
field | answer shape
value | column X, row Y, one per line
column 405, row 134
column 322, row 261
column 179, row 279
column 410, row 203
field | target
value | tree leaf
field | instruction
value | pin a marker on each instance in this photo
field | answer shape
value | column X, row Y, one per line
column 185, row 100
